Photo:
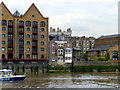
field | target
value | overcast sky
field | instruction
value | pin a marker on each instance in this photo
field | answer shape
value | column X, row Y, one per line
column 85, row 17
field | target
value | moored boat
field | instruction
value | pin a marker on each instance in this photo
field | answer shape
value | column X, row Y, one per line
column 6, row 75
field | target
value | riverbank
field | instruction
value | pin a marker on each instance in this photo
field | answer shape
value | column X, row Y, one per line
column 76, row 66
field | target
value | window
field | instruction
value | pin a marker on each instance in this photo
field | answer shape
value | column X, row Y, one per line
column 68, row 51
column 60, row 51
column 3, row 49
column 91, row 53
column 3, row 35
column 42, row 49
column 3, row 28
column 68, row 45
column 42, row 56
column 28, row 49
column 4, row 23
column 35, row 23
column 21, row 23
column 34, row 29
column 42, row 43
column 3, row 42
column 115, row 55
column 60, row 58
column 104, row 53
column 28, row 36
column 27, row 56
column 42, row 36
column 101, row 53
column 34, row 56
column 28, row 29
column 3, row 56
column 2, row 14
column 28, row 43
column 60, row 45
column 28, row 23
column 42, row 29
column 42, row 24
column 53, row 45
column 10, row 23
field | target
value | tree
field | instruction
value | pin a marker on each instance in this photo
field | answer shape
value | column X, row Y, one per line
column 84, row 56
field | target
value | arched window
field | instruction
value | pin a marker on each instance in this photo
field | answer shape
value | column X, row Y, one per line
column 28, row 36
column 35, row 23
column 4, row 23
column 28, row 23
column 10, row 23
column 42, row 24
column 3, row 56
column 21, row 23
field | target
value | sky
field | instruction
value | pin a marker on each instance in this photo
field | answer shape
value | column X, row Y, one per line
column 84, row 17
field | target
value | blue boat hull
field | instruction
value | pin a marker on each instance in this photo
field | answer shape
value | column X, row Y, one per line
column 12, row 79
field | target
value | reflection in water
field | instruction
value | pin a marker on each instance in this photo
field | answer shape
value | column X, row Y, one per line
column 66, row 80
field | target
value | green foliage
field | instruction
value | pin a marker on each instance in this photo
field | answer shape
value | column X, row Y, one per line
column 84, row 56
column 100, row 58
column 108, row 57
column 61, row 47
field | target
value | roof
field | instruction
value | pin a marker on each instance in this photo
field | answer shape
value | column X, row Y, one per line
column 25, row 12
column 109, row 36
column 77, row 49
column 5, row 70
column 102, row 48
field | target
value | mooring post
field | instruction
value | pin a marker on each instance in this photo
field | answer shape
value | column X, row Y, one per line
column 37, row 68
column 43, row 68
column 23, row 69
column 31, row 69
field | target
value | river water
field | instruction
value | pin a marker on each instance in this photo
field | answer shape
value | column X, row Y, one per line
column 66, row 80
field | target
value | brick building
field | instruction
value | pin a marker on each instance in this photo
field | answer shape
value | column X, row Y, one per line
column 23, row 37
column 80, row 45
column 105, row 45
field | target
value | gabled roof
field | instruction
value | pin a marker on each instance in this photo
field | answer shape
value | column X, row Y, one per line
column 6, row 8
column 36, row 9
column 26, row 11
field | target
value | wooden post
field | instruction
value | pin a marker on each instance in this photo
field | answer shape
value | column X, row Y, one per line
column 37, row 68
column 23, row 69
column 43, row 68
column 31, row 69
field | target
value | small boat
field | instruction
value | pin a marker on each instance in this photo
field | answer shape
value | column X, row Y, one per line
column 6, row 75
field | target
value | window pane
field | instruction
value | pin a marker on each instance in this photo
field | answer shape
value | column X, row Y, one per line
column 42, row 36
column 3, row 28
column 42, row 43
column 28, row 29
column 42, row 29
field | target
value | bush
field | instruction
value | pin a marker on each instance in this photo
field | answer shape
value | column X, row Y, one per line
column 100, row 58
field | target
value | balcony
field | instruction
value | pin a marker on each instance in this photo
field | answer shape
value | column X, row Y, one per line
column 21, row 51
column 34, row 45
column 10, row 31
column 34, row 52
column 10, row 51
column 21, row 31
column 35, row 38
column 35, row 31
column 10, row 24
column 10, row 39
column 10, row 45
column 21, row 24
column 35, row 25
